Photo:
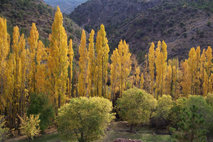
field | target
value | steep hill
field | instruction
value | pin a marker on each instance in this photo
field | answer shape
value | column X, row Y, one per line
column 182, row 24
column 67, row 6
column 23, row 12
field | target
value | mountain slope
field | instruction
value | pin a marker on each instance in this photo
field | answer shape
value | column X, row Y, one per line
column 67, row 6
column 23, row 12
column 182, row 24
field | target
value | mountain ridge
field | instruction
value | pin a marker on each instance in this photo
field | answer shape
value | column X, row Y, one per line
column 23, row 13
column 67, row 6
column 182, row 24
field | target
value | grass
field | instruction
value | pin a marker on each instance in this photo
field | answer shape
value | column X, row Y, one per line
column 116, row 130
column 46, row 138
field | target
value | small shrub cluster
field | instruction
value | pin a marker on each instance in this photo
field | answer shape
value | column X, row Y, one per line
column 187, row 118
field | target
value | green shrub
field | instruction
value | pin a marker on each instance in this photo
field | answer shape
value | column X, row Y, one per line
column 136, row 106
column 165, row 103
column 30, row 126
column 209, row 99
column 84, row 119
column 191, row 119
column 161, row 116
column 40, row 104
column 3, row 129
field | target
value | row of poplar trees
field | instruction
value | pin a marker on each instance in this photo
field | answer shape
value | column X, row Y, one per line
column 193, row 76
column 27, row 66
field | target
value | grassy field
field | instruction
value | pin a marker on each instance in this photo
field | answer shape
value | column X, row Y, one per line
column 116, row 130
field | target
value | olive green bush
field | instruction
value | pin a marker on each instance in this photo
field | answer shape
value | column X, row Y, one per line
column 136, row 106
column 84, row 119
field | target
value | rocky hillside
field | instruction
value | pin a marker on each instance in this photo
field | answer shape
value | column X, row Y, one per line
column 23, row 12
column 67, row 6
column 181, row 23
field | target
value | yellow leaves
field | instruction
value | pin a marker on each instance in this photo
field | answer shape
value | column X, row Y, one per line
column 91, row 64
column 30, row 125
column 209, row 60
column 102, row 51
column 137, row 75
column 205, row 84
column 151, row 57
column 120, row 67
column 4, row 38
column 58, row 59
column 71, row 56
column 142, row 81
column 82, row 78
column 33, row 42
column 161, row 66
column 40, row 72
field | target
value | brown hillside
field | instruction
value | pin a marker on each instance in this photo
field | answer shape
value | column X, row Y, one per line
column 182, row 24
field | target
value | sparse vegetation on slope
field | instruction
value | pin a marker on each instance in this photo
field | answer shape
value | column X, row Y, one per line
column 183, row 24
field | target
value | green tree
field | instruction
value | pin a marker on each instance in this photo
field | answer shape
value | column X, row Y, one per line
column 165, row 103
column 84, row 119
column 40, row 104
column 193, row 116
column 135, row 106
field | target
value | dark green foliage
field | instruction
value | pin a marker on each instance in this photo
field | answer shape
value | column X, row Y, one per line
column 191, row 119
column 39, row 104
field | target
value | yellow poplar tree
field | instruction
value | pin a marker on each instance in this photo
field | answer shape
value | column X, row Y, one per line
column 159, row 69
column 209, row 60
column 41, row 69
column 151, row 57
column 91, row 64
column 102, row 51
column 124, row 64
column 137, row 76
column 202, row 67
column 82, row 78
column 58, row 61
column 71, row 56
column 211, row 84
column 205, row 84
column 4, row 51
column 114, row 78
column 192, row 69
column 186, row 78
column 142, row 81
column 33, row 42
column 169, row 80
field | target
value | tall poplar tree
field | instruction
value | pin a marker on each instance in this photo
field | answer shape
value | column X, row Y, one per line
column 33, row 42
column 102, row 51
column 58, row 61
column 91, row 64
column 82, row 78
column 151, row 57
column 71, row 56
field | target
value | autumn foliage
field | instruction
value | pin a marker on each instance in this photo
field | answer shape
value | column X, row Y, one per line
column 27, row 67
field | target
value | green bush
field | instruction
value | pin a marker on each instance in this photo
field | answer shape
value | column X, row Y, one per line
column 209, row 99
column 40, row 104
column 161, row 117
column 84, row 119
column 3, row 129
column 136, row 106
column 30, row 126
column 165, row 103
column 191, row 119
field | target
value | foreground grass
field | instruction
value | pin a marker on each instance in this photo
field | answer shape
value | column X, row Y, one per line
column 121, row 130
column 116, row 130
